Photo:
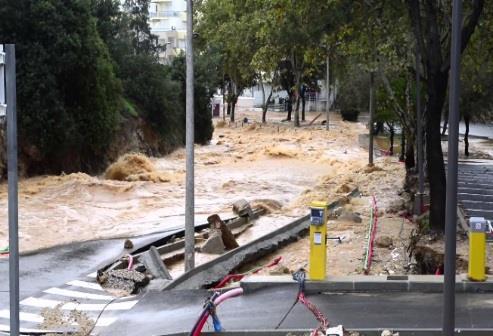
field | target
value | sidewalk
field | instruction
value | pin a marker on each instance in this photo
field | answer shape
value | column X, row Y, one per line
column 176, row 311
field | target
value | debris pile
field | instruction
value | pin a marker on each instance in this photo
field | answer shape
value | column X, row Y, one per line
column 122, row 282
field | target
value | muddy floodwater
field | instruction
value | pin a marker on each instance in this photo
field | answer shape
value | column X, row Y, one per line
column 251, row 161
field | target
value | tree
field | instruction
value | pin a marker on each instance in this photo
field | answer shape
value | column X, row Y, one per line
column 431, row 26
column 68, row 95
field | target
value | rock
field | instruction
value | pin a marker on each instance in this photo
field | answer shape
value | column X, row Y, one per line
column 389, row 333
column 128, row 244
column 227, row 236
column 384, row 242
column 350, row 216
column 279, row 270
column 242, row 208
column 336, row 212
column 214, row 244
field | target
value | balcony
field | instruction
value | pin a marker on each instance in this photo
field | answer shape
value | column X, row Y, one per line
column 163, row 15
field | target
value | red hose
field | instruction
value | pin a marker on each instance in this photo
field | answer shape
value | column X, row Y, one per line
column 221, row 298
column 130, row 262
column 373, row 233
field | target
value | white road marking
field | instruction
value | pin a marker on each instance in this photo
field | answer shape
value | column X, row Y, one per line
column 45, row 303
column 29, row 317
column 85, row 284
column 76, row 294
column 6, row 328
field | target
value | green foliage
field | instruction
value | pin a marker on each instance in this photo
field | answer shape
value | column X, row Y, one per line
column 350, row 114
column 68, row 95
column 204, row 83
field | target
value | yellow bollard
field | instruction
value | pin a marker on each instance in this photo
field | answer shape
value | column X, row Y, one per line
column 318, row 240
column 477, row 249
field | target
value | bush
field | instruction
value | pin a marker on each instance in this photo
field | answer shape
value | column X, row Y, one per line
column 350, row 114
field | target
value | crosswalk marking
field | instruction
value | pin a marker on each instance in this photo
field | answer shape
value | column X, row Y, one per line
column 45, row 303
column 6, row 328
column 92, row 275
column 77, row 294
column 85, row 284
column 29, row 317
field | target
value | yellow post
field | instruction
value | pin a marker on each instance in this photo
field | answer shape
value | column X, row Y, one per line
column 318, row 240
column 477, row 249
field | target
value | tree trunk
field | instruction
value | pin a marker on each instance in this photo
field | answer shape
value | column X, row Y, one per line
column 297, row 96
column 303, row 105
column 402, row 156
column 410, row 161
column 437, row 88
column 224, row 102
column 265, row 107
column 467, row 119
column 290, row 104
column 392, row 133
column 444, row 128
column 233, row 107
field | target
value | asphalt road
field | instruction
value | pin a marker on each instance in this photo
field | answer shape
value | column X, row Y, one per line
column 176, row 311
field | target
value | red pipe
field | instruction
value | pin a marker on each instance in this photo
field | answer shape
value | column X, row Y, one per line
column 221, row 298
column 130, row 262
column 374, row 231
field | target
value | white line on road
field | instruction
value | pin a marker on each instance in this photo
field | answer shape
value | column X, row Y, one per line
column 29, row 317
column 92, row 275
column 45, row 303
column 85, row 284
column 6, row 328
column 76, row 294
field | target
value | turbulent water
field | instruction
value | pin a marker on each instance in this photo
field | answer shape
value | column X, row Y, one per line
column 255, row 162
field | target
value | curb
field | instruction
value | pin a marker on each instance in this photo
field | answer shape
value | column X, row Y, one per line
column 363, row 331
column 363, row 283
column 214, row 270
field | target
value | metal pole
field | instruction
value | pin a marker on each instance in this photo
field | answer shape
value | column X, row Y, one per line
column 370, row 122
column 419, row 127
column 451, row 203
column 327, row 107
column 12, row 190
column 189, row 189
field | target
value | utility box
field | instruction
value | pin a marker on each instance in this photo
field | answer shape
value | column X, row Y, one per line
column 318, row 240
column 477, row 249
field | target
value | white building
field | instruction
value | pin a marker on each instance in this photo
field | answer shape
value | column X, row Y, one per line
column 168, row 19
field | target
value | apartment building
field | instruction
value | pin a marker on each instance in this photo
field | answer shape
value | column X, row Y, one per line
column 168, row 19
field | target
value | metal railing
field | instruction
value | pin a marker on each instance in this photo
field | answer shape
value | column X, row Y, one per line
column 164, row 14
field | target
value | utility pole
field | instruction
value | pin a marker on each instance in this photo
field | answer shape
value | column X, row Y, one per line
column 451, row 203
column 189, row 189
column 13, row 211
column 370, row 122
column 327, row 81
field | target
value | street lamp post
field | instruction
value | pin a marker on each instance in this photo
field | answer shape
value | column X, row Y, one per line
column 189, row 189
column 451, row 203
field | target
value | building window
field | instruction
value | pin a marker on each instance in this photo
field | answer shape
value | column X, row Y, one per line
column 171, row 41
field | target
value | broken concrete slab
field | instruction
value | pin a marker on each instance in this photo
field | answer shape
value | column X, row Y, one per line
column 214, row 244
column 227, row 236
column 153, row 263
column 242, row 208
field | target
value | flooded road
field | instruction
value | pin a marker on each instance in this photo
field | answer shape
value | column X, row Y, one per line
column 255, row 162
